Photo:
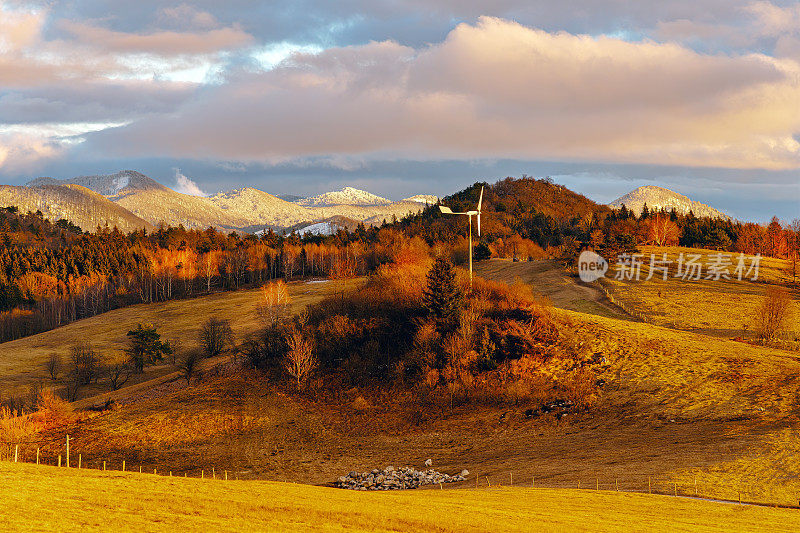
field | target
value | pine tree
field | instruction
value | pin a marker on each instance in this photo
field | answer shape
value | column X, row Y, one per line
column 441, row 297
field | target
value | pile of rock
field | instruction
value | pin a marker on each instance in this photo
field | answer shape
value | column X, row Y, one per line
column 399, row 479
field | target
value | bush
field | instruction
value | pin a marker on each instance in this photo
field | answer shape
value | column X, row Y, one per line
column 772, row 313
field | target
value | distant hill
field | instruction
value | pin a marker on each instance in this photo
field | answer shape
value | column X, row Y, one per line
column 81, row 206
column 660, row 198
column 423, row 199
column 148, row 202
column 259, row 207
column 347, row 196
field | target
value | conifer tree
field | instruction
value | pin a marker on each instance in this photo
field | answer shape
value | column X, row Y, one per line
column 441, row 296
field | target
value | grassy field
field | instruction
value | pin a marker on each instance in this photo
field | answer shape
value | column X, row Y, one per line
column 548, row 279
column 49, row 499
column 677, row 407
column 22, row 361
column 724, row 308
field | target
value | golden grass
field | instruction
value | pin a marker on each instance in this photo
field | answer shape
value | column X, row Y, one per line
column 49, row 499
column 548, row 279
column 723, row 308
column 22, row 361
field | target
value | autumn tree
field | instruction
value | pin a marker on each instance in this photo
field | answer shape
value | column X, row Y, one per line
column 145, row 346
column 275, row 302
column 662, row 231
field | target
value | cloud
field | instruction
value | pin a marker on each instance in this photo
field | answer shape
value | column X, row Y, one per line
column 495, row 89
column 163, row 43
column 186, row 186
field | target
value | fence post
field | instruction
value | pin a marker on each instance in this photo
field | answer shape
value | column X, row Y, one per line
column 649, row 486
column 154, row 471
column 616, row 483
column 512, row 479
column 37, row 455
column 579, row 484
column 695, row 485
column 59, row 459
column 533, row 481
column 16, row 451
column 202, row 474
column 67, row 451
column 79, row 460
column 213, row 473
column 676, row 487
column 123, row 465
column 597, row 482
column 104, row 466
column 226, row 475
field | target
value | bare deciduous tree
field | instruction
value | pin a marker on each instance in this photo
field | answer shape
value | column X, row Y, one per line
column 118, row 374
column 215, row 335
column 300, row 360
column 53, row 366
column 85, row 364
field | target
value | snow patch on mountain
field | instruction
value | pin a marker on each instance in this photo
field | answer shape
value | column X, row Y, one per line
column 427, row 199
column 658, row 198
column 347, row 196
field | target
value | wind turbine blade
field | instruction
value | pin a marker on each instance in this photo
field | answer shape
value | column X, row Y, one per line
column 446, row 210
column 480, row 201
column 479, row 222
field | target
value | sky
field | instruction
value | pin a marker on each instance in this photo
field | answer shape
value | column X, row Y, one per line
column 404, row 97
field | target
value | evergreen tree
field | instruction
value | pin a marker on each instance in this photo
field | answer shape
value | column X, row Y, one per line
column 441, row 297
column 145, row 346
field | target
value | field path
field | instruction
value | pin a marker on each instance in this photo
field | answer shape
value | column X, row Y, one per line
column 548, row 279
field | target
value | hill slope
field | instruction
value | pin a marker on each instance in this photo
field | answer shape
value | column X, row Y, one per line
column 660, row 198
column 259, row 207
column 75, row 203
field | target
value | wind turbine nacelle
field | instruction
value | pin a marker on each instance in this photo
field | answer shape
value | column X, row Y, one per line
column 471, row 213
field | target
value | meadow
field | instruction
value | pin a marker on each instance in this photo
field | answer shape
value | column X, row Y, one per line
column 46, row 498
column 723, row 308
column 22, row 361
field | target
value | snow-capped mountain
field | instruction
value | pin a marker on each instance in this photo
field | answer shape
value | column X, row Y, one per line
column 110, row 185
column 347, row 196
column 660, row 198
column 427, row 199
column 131, row 200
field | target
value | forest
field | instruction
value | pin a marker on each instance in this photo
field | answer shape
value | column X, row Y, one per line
column 52, row 273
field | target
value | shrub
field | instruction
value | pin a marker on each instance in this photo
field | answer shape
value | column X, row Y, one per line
column 772, row 313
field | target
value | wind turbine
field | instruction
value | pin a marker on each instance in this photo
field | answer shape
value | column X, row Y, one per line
column 477, row 213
